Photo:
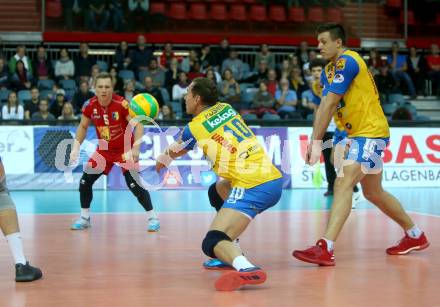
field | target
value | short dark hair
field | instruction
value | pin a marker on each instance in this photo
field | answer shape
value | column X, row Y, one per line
column 316, row 63
column 335, row 29
column 206, row 89
column 103, row 75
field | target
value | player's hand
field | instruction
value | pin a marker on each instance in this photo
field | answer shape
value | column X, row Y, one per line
column 135, row 154
column 73, row 158
column 162, row 161
column 313, row 152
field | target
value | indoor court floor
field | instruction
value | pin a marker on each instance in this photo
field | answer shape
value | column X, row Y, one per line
column 118, row 263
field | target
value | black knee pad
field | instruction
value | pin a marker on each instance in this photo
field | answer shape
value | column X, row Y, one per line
column 214, row 198
column 132, row 184
column 86, row 182
column 211, row 240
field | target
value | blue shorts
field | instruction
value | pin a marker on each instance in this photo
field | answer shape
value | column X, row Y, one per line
column 255, row 200
column 339, row 136
column 367, row 151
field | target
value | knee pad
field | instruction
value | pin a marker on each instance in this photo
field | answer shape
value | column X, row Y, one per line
column 86, row 182
column 211, row 240
column 6, row 202
column 214, row 198
column 134, row 187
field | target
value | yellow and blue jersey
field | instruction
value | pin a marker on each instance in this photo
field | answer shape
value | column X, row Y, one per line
column 231, row 146
column 359, row 111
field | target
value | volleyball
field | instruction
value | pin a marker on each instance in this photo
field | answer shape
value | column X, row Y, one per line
column 143, row 105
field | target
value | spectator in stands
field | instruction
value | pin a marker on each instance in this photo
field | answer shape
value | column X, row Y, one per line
column 93, row 74
column 122, row 56
column 64, row 67
column 156, row 73
column 172, row 75
column 117, row 82
column 397, row 63
column 70, row 7
column 96, row 16
column 433, row 61
column 117, row 13
column 385, row 83
column 263, row 101
column 285, row 69
column 297, row 82
column 4, row 74
column 167, row 55
column 167, row 113
column 81, row 96
column 213, row 75
column 42, row 67
column 260, row 74
column 136, row 9
column 306, row 67
column 31, row 106
column 271, row 82
column 401, row 113
column 67, row 112
column 265, row 55
column 229, row 90
column 151, row 89
column 286, row 100
column 140, row 56
column 375, row 62
column 188, row 62
column 303, row 53
column 13, row 110
column 417, row 68
column 129, row 90
column 181, row 88
column 43, row 113
column 222, row 53
column 83, row 63
column 56, row 107
column 234, row 64
column 20, row 56
column 207, row 58
column 195, row 71
column 22, row 78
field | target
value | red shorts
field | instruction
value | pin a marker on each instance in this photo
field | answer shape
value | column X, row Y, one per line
column 103, row 162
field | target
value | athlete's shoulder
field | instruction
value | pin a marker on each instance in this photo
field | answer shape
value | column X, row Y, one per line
column 90, row 103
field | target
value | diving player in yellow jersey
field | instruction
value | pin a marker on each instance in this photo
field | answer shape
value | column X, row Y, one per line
column 235, row 154
column 350, row 91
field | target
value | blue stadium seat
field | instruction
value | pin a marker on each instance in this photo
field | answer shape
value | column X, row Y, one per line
column 68, row 84
column 269, row 116
column 103, row 66
column 249, row 116
column 4, row 95
column 248, row 95
column 389, row 109
column 23, row 96
column 45, row 93
column 422, row 118
column 396, row 98
column 142, row 75
column 45, row 84
column 126, row 74
column 165, row 95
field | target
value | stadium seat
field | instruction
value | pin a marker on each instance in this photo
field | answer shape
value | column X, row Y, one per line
column 334, row 14
column 389, row 109
column 396, row 98
column 4, row 95
column 315, row 14
column 68, row 84
column 246, row 70
column 142, row 75
column 45, row 84
column 23, row 96
column 269, row 116
column 157, row 8
column 198, row 11
column 44, row 94
column 218, row 12
column 177, row 11
column 277, row 13
column 54, row 9
column 165, row 95
column 70, row 93
column 126, row 74
column 237, row 12
column 258, row 13
column 103, row 66
column 296, row 14
column 248, row 95
column 422, row 118
column 249, row 116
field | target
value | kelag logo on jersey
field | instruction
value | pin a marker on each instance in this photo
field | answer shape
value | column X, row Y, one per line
column 223, row 117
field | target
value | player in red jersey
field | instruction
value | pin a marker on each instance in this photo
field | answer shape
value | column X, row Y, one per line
column 109, row 114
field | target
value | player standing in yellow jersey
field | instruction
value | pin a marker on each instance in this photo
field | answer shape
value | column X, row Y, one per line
column 236, row 156
column 350, row 91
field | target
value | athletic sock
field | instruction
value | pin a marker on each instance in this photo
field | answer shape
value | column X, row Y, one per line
column 330, row 244
column 151, row 214
column 16, row 247
column 414, row 232
column 85, row 213
column 240, row 263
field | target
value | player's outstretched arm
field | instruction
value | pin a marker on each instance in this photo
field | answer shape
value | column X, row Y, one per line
column 80, row 135
column 175, row 150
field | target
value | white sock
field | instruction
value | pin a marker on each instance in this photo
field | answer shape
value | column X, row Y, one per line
column 330, row 244
column 414, row 232
column 240, row 262
column 151, row 214
column 85, row 213
column 16, row 247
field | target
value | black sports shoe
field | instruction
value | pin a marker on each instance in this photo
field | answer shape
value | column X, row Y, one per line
column 26, row 272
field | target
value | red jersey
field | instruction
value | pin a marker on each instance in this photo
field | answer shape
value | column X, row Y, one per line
column 110, row 122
